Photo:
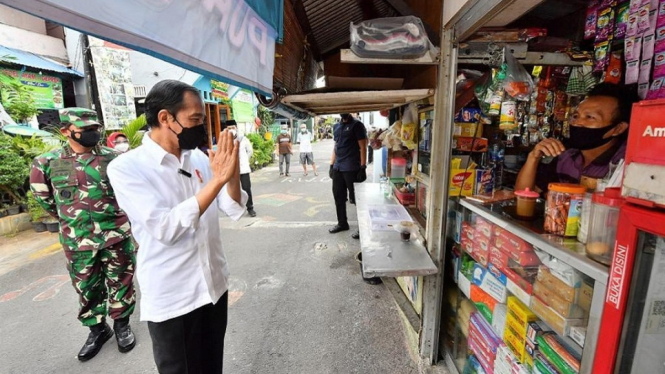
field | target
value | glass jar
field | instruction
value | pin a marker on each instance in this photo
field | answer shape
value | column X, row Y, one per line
column 563, row 209
column 604, row 219
column 585, row 218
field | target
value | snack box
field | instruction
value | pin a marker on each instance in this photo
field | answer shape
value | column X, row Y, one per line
column 552, row 299
column 555, row 356
column 522, row 313
column 495, row 287
column 464, row 284
column 470, row 144
column 483, row 327
column 514, row 342
column 461, row 182
column 468, row 115
column 509, row 242
column 585, row 296
column 508, row 361
column 501, row 258
column 557, row 322
column 481, row 250
column 473, row 363
column 468, row 129
column 566, row 292
column 578, row 334
column 484, row 185
column 468, row 230
column 466, row 244
column 483, row 301
column 484, row 227
column 499, row 318
column 482, row 359
column 535, row 329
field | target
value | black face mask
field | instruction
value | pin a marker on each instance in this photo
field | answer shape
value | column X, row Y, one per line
column 87, row 139
column 190, row 137
column 584, row 138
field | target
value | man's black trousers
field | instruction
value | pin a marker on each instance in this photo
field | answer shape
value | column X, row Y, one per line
column 343, row 182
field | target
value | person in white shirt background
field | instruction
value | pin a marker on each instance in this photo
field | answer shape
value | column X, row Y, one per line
column 306, row 154
column 245, row 152
column 172, row 194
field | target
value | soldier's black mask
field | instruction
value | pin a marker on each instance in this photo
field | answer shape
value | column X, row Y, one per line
column 87, row 138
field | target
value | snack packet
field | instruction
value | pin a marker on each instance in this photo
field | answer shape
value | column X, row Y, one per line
column 648, row 43
column 632, row 71
column 631, row 26
column 645, row 71
column 643, row 90
column 601, row 56
column 654, row 89
column 643, row 23
column 621, row 22
column 632, row 48
column 659, row 65
column 605, row 24
column 591, row 20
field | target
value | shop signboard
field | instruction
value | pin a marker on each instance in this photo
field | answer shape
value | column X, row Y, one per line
column 233, row 41
column 243, row 107
column 220, row 90
column 114, row 83
column 46, row 89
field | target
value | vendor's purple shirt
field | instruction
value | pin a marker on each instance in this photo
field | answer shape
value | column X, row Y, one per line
column 569, row 166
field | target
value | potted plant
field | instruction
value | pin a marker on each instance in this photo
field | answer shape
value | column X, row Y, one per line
column 37, row 213
column 52, row 224
column 13, row 210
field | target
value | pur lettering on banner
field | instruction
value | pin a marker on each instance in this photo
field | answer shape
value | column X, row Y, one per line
column 617, row 275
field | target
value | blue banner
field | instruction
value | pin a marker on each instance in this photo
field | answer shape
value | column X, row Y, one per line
column 223, row 39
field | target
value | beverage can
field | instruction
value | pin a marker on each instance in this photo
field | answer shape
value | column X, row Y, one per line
column 507, row 118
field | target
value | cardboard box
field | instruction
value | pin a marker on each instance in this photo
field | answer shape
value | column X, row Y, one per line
column 483, row 301
column 468, row 230
column 552, row 299
column 585, row 297
column 523, row 314
column 578, row 334
column 464, row 284
column 461, row 182
column 484, row 227
column 510, row 242
column 557, row 322
column 535, row 329
column 466, row 244
column 566, row 292
column 470, row 144
column 481, row 249
column 484, row 185
column 518, row 292
column 514, row 342
column 501, row 258
column 490, row 284
column 468, row 129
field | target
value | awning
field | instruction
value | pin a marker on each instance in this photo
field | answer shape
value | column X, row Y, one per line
column 352, row 102
column 225, row 40
column 18, row 57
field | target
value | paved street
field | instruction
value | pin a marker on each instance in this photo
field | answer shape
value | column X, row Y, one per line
column 298, row 303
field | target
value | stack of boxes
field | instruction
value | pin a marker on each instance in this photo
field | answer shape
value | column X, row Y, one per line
column 555, row 301
column 483, row 342
column 517, row 323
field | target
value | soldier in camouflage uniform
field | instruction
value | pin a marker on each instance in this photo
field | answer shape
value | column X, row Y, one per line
column 72, row 185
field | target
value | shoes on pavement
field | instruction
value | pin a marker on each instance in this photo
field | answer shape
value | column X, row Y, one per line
column 251, row 212
column 287, row 174
column 96, row 339
column 353, row 202
column 304, row 174
column 125, row 338
column 356, row 235
column 338, row 228
column 373, row 281
column 281, row 174
column 316, row 174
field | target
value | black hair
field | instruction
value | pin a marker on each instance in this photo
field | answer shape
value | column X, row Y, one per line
column 625, row 97
column 167, row 94
column 228, row 123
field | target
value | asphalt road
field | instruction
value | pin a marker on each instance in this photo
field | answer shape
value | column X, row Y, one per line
column 298, row 302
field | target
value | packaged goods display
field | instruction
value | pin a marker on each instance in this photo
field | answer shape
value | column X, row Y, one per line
column 563, row 208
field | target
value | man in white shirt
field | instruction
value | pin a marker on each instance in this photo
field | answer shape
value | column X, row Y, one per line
column 306, row 154
column 245, row 153
column 172, row 194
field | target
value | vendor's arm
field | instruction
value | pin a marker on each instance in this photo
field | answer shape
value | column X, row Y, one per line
column 546, row 148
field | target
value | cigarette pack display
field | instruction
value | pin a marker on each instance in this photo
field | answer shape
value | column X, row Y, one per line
column 495, row 287
column 561, row 351
column 565, row 291
column 585, row 296
column 578, row 334
column 557, row 322
column 561, row 306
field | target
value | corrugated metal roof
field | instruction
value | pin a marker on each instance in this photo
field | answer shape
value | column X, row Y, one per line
column 17, row 57
column 330, row 19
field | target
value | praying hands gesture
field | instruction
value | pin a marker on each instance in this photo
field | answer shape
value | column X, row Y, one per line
column 224, row 162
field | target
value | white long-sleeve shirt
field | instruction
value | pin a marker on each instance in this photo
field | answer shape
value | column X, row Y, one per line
column 181, row 265
column 245, row 152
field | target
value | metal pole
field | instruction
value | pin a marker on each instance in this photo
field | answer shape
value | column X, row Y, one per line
column 438, row 195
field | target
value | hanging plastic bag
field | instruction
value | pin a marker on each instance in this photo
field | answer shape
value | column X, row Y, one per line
column 396, row 37
column 518, row 82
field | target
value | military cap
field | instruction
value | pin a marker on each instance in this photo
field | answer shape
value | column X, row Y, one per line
column 79, row 117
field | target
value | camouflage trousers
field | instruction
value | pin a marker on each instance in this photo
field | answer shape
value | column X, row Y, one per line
column 101, row 276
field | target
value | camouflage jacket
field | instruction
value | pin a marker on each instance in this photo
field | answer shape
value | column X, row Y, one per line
column 75, row 189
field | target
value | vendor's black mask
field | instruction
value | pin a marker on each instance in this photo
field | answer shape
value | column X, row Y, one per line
column 584, row 138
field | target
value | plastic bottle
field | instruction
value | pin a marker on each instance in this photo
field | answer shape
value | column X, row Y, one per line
column 497, row 152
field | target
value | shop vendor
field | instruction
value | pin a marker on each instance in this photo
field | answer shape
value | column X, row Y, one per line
column 598, row 133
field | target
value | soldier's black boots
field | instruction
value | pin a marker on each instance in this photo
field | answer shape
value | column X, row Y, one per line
column 124, row 335
column 99, row 334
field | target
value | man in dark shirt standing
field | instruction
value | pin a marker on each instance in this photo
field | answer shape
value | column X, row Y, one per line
column 347, row 166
